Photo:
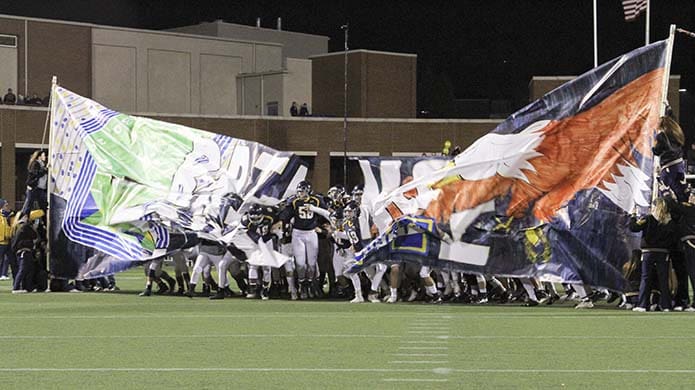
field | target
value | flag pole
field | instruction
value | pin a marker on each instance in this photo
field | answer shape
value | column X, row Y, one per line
column 663, row 103
column 667, row 70
column 595, row 37
column 49, row 186
column 646, row 27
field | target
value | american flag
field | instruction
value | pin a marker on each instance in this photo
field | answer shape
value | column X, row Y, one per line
column 633, row 8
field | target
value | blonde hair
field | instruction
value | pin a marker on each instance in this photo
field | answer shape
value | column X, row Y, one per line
column 672, row 129
column 660, row 211
column 34, row 157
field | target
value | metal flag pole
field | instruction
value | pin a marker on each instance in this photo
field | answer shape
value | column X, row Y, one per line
column 663, row 103
column 345, row 28
column 49, row 186
column 595, row 36
column 646, row 27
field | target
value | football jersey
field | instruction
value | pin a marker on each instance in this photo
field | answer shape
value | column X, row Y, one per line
column 351, row 227
column 299, row 211
column 262, row 228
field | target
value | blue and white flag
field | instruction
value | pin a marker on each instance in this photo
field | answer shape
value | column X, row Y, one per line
column 136, row 188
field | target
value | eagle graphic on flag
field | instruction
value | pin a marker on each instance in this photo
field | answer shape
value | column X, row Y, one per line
column 548, row 192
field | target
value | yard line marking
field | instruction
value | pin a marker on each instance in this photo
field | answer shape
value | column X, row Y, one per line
column 436, row 332
column 423, row 342
column 382, row 370
column 209, row 369
column 576, row 371
column 429, row 348
column 203, row 336
column 376, row 316
column 421, row 354
column 412, row 380
column 418, row 362
column 428, row 328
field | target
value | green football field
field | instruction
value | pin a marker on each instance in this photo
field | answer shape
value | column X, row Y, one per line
column 122, row 341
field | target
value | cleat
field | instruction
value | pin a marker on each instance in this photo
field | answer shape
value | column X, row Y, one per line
column 482, row 301
column 251, row 295
column 373, row 297
column 629, row 306
column 293, row 295
column 689, row 309
column 435, row 300
column 587, row 304
column 413, row 296
column 19, row 291
column 531, row 303
column 218, row 295
column 392, row 299
column 303, row 294
column 189, row 294
column 163, row 289
column 678, row 308
column 639, row 309
column 553, row 298
column 357, row 299
column 145, row 293
column 612, row 297
column 264, row 294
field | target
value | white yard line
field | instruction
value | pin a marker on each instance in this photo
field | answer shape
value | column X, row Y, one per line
column 412, row 380
column 353, row 336
column 377, row 316
column 202, row 336
column 432, row 332
column 376, row 370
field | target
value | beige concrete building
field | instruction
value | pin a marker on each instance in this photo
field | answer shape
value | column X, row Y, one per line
column 380, row 84
column 270, row 90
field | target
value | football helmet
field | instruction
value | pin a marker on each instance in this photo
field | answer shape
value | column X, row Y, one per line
column 303, row 189
column 256, row 213
column 351, row 210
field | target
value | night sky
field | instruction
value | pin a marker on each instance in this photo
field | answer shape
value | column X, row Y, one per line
column 467, row 49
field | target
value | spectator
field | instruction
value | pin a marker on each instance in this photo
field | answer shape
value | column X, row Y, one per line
column 304, row 110
column 34, row 100
column 10, row 97
column 691, row 158
column 36, row 182
column 294, row 110
column 6, row 255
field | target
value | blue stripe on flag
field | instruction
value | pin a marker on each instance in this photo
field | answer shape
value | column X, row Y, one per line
column 89, row 235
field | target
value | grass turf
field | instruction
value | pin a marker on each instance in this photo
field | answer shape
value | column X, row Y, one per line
column 120, row 340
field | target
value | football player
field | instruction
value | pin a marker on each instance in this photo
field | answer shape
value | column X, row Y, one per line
column 351, row 227
column 305, row 210
column 259, row 223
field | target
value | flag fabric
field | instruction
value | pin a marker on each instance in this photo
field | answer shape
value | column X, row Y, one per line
column 633, row 8
column 134, row 188
column 547, row 193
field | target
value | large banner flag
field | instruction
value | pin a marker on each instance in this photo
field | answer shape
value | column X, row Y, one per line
column 546, row 194
column 134, row 188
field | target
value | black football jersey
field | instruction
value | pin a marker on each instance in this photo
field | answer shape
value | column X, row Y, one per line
column 299, row 211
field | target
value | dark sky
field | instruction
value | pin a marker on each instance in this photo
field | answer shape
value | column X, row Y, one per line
column 481, row 49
